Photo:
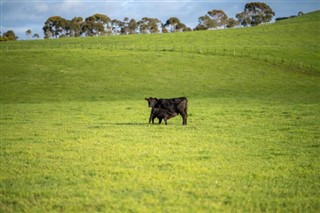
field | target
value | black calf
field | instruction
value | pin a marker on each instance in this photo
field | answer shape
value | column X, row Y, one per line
column 161, row 114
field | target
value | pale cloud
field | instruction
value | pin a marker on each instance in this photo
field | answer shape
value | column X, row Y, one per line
column 41, row 7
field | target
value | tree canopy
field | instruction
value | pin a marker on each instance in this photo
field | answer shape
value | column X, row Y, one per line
column 174, row 24
column 99, row 24
column 54, row 26
column 28, row 32
column 255, row 13
column 8, row 36
column 205, row 22
column 219, row 17
column 149, row 25
column 215, row 19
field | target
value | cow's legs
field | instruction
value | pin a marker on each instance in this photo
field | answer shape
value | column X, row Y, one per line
column 165, row 120
column 184, row 119
column 184, row 116
column 183, row 111
column 160, row 120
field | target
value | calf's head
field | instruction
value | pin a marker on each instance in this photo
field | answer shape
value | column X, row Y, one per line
column 151, row 101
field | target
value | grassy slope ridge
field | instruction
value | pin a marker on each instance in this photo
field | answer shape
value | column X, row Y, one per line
column 295, row 40
column 74, row 133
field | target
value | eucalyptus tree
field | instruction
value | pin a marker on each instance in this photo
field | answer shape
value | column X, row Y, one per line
column 55, row 26
column 205, row 23
column 76, row 25
column 255, row 13
column 124, row 26
column 127, row 26
column 132, row 26
column 97, row 24
column 9, row 36
column 172, row 23
column 154, row 25
column 116, row 26
column 36, row 35
column 212, row 20
column 28, row 32
column 149, row 25
column 219, row 17
column 231, row 23
column 175, row 25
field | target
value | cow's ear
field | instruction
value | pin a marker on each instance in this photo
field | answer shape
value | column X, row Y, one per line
column 146, row 99
column 156, row 99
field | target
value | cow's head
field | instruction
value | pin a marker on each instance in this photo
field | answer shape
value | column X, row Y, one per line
column 151, row 101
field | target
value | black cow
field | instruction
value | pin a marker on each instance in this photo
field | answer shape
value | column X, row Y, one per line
column 177, row 105
column 161, row 114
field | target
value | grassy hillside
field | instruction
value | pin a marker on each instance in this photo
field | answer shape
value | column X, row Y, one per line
column 292, row 41
column 75, row 138
column 92, row 75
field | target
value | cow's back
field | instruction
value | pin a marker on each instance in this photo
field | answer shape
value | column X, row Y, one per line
column 174, row 104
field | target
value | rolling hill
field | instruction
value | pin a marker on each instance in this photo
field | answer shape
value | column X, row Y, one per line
column 75, row 138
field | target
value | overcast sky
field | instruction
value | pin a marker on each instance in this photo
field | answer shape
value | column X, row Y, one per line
column 21, row 15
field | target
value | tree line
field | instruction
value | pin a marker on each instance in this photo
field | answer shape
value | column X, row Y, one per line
column 254, row 13
column 100, row 25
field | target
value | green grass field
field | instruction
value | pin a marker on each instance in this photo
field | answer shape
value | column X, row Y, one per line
column 75, row 135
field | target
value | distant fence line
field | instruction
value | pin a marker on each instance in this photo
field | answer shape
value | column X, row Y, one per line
column 269, row 58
